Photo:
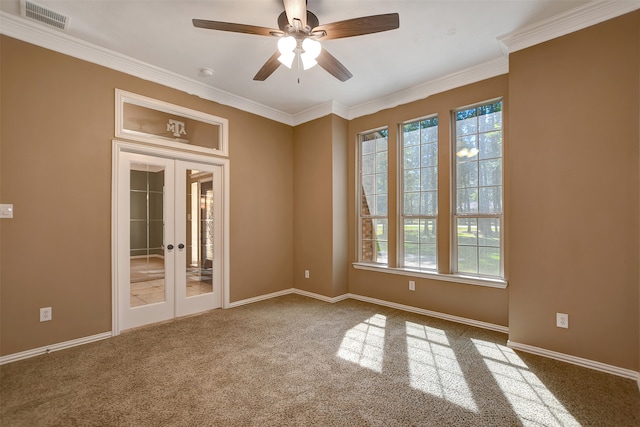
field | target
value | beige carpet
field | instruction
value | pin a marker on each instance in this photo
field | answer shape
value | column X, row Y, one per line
column 297, row 361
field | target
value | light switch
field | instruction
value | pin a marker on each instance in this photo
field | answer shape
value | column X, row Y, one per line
column 6, row 211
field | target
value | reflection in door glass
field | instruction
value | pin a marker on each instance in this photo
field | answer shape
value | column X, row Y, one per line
column 199, row 233
column 146, row 227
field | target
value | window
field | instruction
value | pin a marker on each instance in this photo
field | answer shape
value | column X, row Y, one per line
column 478, row 215
column 373, row 198
column 419, row 194
column 434, row 208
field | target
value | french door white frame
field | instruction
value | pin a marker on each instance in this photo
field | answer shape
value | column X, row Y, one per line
column 129, row 147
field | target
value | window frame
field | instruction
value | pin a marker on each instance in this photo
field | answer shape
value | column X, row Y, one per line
column 400, row 253
column 359, row 198
column 455, row 216
column 446, row 243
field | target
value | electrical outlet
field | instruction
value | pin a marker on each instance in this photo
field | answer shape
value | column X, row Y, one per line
column 412, row 285
column 562, row 320
column 45, row 314
column 306, row 274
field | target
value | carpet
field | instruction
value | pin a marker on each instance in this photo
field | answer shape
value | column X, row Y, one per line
column 296, row 361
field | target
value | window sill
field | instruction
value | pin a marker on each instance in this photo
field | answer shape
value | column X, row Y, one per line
column 456, row 278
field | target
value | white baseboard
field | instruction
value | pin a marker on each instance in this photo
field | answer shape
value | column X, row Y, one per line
column 287, row 292
column 457, row 319
column 626, row 373
column 53, row 347
column 586, row 363
column 260, row 298
column 444, row 316
column 384, row 303
column 320, row 297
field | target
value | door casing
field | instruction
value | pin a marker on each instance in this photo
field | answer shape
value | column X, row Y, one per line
column 123, row 146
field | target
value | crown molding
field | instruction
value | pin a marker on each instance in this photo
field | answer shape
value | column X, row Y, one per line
column 21, row 29
column 492, row 68
column 321, row 110
column 573, row 20
column 570, row 21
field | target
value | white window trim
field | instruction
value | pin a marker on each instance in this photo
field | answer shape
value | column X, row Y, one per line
column 453, row 200
column 423, row 274
column 400, row 204
column 359, row 197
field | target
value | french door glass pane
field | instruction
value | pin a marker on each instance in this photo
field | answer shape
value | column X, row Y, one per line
column 200, row 236
column 146, row 231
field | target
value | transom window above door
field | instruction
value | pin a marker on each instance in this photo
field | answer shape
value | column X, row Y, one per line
column 145, row 119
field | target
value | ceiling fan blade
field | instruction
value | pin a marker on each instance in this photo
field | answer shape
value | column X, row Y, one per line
column 268, row 68
column 235, row 28
column 296, row 9
column 359, row 26
column 333, row 66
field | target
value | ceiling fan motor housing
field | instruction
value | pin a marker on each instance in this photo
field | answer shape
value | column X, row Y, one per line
column 283, row 24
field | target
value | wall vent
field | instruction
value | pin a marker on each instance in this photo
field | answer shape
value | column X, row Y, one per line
column 42, row 14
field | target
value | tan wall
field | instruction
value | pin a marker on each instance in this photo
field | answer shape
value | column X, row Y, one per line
column 320, row 205
column 340, row 174
column 573, row 200
column 57, row 126
column 312, row 195
column 470, row 301
column 572, row 197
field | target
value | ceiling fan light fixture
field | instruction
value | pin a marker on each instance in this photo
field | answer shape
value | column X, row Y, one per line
column 311, row 47
column 287, row 58
column 287, row 45
column 299, row 30
column 307, row 61
column 311, row 50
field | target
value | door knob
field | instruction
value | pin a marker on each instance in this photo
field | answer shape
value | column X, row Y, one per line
column 181, row 246
column 170, row 247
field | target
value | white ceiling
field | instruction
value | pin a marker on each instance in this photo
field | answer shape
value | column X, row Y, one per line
column 435, row 39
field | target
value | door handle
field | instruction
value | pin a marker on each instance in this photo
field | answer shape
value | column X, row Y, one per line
column 170, row 246
column 181, row 246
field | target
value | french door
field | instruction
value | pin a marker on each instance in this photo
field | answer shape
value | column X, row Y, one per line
column 169, row 238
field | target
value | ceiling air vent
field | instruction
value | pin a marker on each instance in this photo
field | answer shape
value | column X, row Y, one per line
column 42, row 14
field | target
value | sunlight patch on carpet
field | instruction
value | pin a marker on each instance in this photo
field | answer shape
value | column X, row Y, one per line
column 534, row 404
column 433, row 367
column 364, row 343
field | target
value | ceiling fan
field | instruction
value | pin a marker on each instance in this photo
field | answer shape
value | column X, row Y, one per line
column 299, row 32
